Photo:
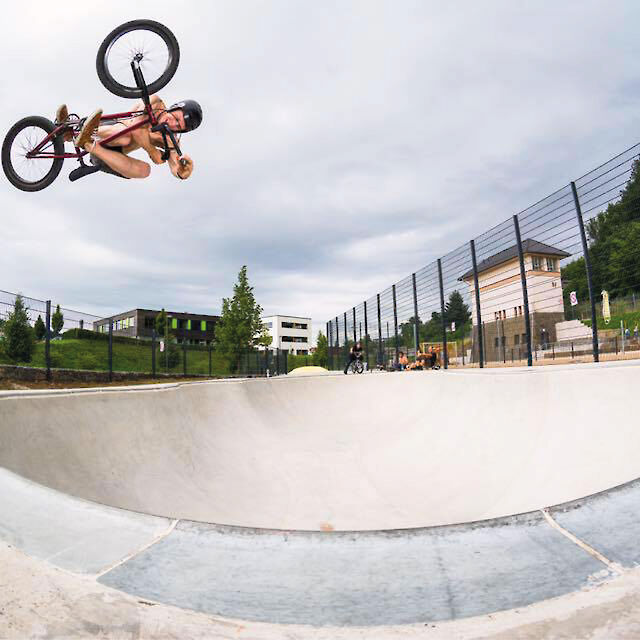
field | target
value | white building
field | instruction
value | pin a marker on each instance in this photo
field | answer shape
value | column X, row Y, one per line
column 289, row 332
column 500, row 282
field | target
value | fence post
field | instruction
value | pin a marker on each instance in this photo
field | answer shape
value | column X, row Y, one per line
column 346, row 333
column 587, row 264
column 379, row 332
column 184, row 356
column 395, row 323
column 110, row 349
column 445, row 355
column 153, row 353
column 416, row 329
column 328, row 345
column 472, row 246
column 47, row 341
column 366, row 335
column 209, row 359
column 355, row 337
column 525, row 292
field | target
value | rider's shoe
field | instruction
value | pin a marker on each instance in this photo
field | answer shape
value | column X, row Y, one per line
column 88, row 129
column 83, row 171
column 62, row 113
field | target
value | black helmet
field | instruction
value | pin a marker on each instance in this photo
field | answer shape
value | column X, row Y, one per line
column 192, row 112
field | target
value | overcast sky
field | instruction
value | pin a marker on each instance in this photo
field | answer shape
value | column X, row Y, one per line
column 345, row 144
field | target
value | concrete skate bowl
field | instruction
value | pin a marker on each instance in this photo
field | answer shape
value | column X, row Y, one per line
column 358, row 500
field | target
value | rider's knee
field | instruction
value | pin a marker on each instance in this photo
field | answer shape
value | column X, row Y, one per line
column 143, row 170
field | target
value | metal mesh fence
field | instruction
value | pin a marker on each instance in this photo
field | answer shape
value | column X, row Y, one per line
column 558, row 281
column 72, row 344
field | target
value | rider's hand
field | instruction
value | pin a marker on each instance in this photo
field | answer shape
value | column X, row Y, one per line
column 156, row 156
column 185, row 167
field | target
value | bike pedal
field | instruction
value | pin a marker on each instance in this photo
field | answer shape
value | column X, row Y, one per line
column 81, row 172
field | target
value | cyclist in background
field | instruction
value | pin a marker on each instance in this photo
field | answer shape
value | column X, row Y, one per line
column 355, row 353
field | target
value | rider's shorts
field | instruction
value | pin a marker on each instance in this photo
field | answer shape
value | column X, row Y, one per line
column 105, row 167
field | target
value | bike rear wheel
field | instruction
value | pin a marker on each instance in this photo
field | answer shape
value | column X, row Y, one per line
column 156, row 49
column 31, row 174
column 357, row 366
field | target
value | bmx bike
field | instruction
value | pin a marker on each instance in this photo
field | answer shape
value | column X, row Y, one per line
column 356, row 366
column 33, row 150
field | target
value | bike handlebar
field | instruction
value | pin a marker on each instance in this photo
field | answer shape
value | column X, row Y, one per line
column 166, row 131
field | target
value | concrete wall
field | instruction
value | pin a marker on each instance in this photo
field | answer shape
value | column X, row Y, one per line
column 343, row 452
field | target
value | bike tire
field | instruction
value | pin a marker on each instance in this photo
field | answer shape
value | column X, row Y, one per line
column 7, row 165
column 132, row 91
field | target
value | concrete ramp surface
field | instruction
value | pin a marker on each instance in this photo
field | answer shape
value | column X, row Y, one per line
column 344, row 453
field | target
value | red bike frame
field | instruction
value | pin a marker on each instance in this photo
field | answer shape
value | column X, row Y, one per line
column 79, row 153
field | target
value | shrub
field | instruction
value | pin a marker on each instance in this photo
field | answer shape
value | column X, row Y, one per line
column 18, row 334
column 40, row 329
column 171, row 356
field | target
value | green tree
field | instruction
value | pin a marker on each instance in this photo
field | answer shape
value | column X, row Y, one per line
column 321, row 354
column 613, row 241
column 162, row 324
column 57, row 320
column 39, row 329
column 406, row 331
column 19, row 336
column 456, row 310
column 240, row 326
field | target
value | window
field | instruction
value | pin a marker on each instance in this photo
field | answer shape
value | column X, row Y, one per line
column 552, row 264
column 516, row 339
column 523, row 338
column 293, row 325
column 149, row 322
column 536, row 263
column 515, row 311
column 520, row 309
column 268, row 325
column 293, row 339
column 497, row 342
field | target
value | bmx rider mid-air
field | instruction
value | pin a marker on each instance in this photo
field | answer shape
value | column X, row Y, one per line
column 181, row 117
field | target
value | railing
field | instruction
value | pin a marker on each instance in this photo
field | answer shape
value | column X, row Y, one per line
column 509, row 290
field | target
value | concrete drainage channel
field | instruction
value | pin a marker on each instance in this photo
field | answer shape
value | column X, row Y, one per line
column 339, row 578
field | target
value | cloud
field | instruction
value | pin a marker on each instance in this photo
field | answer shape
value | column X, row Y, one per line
column 345, row 145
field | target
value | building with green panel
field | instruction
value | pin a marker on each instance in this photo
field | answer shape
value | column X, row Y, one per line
column 194, row 328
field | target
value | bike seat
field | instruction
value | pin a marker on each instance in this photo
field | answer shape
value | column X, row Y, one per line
column 82, row 171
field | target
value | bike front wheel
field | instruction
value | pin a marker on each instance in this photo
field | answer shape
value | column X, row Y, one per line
column 151, row 44
column 31, row 174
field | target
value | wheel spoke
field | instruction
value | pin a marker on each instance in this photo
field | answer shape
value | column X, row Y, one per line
column 148, row 44
column 30, row 170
